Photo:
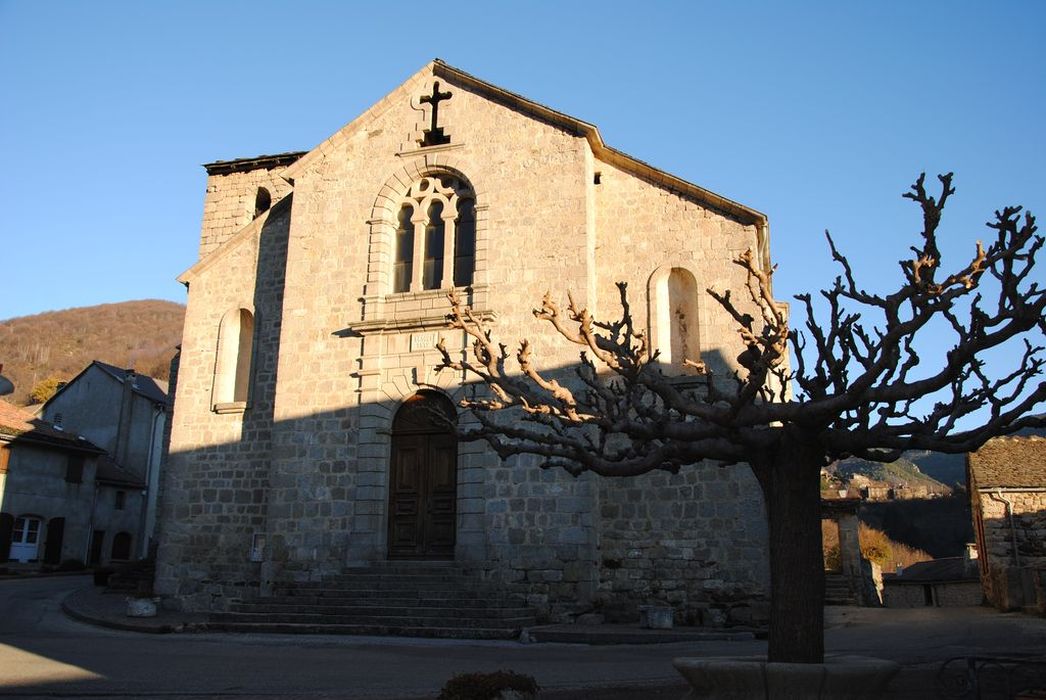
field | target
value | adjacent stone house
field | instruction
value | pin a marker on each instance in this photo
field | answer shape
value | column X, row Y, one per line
column 948, row 582
column 303, row 439
column 1007, row 482
column 125, row 414
column 58, row 495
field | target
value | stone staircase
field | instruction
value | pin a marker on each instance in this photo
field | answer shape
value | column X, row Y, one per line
column 405, row 599
column 837, row 590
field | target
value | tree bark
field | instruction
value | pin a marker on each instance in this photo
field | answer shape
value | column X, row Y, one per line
column 790, row 480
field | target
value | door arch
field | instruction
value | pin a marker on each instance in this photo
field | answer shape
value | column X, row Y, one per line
column 423, row 479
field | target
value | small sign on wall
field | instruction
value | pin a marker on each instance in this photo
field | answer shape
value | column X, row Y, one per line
column 422, row 341
column 257, row 547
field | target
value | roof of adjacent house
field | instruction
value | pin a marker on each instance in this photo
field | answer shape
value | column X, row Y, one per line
column 18, row 423
column 947, row 569
column 110, row 472
column 153, row 389
column 1009, row 462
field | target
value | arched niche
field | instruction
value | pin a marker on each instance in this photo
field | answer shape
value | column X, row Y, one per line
column 674, row 300
column 232, row 366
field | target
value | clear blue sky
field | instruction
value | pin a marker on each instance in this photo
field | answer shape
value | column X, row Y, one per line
column 819, row 114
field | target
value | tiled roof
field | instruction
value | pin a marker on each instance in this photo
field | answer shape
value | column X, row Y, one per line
column 152, row 389
column 19, row 423
column 1009, row 462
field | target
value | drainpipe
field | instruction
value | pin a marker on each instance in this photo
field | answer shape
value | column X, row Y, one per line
column 149, row 495
column 90, row 520
column 999, row 498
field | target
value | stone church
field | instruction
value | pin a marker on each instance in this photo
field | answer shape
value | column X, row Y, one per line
column 301, row 443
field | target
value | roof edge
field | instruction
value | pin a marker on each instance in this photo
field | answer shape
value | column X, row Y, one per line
column 239, row 165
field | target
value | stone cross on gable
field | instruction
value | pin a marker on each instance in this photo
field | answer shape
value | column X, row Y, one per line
column 434, row 135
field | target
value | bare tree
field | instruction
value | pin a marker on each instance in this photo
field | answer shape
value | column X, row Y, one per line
column 860, row 389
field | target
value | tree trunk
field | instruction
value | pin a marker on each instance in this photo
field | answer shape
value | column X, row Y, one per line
column 790, row 479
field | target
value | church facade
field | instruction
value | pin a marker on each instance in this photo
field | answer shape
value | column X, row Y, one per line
column 302, row 439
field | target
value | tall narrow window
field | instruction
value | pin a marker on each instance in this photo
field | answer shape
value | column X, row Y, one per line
column 404, row 267
column 465, row 243
column 74, row 468
column 435, row 232
column 262, row 202
column 233, row 364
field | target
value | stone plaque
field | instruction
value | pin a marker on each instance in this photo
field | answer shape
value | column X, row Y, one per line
column 422, row 341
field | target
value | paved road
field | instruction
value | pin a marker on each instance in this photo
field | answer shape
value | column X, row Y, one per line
column 44, row 654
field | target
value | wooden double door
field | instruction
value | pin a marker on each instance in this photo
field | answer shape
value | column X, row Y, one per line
column 422, row 484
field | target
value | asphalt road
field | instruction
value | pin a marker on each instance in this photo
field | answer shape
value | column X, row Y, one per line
column 43, row 654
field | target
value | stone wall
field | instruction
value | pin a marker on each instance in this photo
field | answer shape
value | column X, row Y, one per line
column 694, row 540
column 216, row 481
column 230, row 201
column 942, row 595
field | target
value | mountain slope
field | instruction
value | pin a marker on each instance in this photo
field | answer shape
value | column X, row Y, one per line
column 900, row 473
column 59, row 344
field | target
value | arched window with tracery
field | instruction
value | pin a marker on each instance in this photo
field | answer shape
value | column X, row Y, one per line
column 232, row 367
column 436, row 225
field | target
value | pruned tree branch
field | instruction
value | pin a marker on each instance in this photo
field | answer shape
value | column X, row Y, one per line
column 861, row 381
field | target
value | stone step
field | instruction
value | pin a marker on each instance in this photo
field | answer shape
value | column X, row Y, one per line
column 407, row 621
column 281, row 607
column 373, row 630
column 385, row 598
column 393, row 584
column 402, row 599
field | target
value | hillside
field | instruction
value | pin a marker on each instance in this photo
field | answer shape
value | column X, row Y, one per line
column 903, row 472
column 947, row 469
column 940, row 526
column 59, row 344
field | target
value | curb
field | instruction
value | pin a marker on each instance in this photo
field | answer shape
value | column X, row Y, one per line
column 42, row 574
column 145, row 628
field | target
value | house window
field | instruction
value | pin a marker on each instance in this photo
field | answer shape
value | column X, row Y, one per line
column 74, row 468
column 437, row 226
column 121, row 547
column 25, row 538
column 119, row 500
column 232, row 368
